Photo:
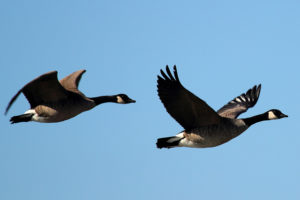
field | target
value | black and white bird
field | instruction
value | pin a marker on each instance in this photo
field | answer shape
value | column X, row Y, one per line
column 55, row 101
column 203, row 126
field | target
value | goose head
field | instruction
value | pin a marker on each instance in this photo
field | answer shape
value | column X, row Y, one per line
column 123, row 99
column 275, row 114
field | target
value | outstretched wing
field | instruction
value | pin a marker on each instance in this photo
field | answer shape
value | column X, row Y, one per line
column 241, row 103
column 43, row 89
column 186, row 108
column 71, row 81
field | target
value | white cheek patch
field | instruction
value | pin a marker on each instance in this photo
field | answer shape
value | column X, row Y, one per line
column 271, row 115
column 120, row 100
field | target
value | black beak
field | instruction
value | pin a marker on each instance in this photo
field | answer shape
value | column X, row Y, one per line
column 131, row 101
column 283, row 115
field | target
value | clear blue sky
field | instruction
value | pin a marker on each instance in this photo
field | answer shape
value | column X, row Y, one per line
column 221, row 49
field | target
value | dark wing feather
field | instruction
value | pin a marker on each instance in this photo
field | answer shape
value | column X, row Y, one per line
column 241, row 103
column 43, row 89
column 71, row 81
column 186, row 108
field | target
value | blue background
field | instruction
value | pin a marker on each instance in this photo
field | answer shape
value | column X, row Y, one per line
column 221, row 49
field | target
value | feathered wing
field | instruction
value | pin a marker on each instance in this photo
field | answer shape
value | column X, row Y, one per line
column 186, row 108
column 71, row 81
column 41, row 90
column 241, row 103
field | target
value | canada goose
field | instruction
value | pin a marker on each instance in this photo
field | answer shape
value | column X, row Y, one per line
column 54, row 101
column 203, row 126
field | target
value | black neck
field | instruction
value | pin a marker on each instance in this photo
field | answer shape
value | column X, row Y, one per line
column 257, row 118
column 104, row 99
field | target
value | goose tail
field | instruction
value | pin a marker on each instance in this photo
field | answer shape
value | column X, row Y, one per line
column 21, row 118
column 169, row 142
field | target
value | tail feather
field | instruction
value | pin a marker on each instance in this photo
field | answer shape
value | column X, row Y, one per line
column 168, row 142
column 21, row 118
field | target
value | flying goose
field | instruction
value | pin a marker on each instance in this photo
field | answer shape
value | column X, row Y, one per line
column 203, row 126
column 54, row 101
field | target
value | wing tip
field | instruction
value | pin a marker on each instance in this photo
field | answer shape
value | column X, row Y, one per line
column 12, row 101
column 258, row 89
column 82, row 70
column 168, row 75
